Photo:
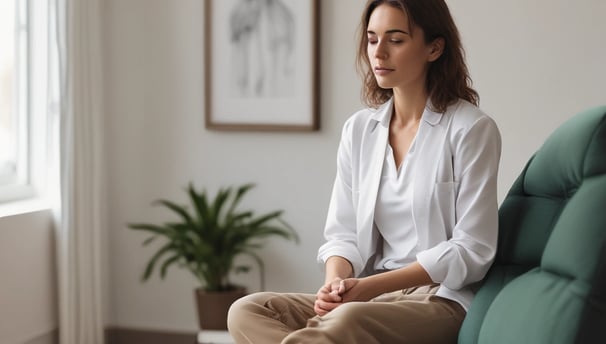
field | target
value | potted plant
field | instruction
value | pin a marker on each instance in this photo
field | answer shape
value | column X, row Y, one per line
column 207, row 237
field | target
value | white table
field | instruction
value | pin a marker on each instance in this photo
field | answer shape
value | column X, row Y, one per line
column 214, row 337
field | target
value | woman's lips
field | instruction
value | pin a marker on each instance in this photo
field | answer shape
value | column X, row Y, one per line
column 383, row 71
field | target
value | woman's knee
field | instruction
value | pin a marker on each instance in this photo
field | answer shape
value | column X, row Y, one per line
column 242, row 308
column 334, row 327
column 349, row 313
column 342, row 318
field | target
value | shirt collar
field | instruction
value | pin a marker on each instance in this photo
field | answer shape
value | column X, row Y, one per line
column 383, row 114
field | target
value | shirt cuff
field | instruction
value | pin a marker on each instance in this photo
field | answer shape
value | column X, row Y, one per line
column 352, row 256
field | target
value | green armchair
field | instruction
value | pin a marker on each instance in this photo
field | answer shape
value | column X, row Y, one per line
column 548, row 282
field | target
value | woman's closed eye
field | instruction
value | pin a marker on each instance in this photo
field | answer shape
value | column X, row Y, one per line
column 374, row 40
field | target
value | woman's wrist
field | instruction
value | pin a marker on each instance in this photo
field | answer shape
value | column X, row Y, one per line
column 413, row 275
column 370, row 288
column 337, row 268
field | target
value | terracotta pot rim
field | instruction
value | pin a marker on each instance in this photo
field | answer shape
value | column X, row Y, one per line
column 237, row 289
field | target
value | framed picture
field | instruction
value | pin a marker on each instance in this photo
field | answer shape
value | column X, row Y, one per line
column 261, row 68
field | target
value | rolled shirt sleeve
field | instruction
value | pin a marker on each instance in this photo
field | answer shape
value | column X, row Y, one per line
column 340, row 229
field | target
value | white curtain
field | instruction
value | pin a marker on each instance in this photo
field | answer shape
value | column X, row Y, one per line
column 76, row 42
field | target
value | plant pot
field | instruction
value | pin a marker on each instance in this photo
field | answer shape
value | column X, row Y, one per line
column 213, row 307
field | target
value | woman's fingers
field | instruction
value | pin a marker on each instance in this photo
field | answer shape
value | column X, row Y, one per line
column 327, row 298
column 322, row 307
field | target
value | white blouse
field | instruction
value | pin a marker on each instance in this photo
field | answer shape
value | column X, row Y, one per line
column 453, row 195
column 393, row 214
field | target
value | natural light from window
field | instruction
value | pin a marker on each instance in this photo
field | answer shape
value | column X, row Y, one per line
column 15, row 181
column 8, row 122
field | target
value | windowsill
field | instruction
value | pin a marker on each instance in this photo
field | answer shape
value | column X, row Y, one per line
column 22, row 207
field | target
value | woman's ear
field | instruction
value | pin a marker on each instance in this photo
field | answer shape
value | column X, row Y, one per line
column 436, row 48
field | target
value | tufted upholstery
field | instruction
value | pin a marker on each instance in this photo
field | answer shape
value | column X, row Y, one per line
column 548, row 282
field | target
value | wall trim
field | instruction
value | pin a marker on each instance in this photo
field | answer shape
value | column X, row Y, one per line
column 124, row 335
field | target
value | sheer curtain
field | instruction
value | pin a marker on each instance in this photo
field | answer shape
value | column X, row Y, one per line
column 75, row 46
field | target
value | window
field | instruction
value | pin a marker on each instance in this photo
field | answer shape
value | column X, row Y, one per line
column 23, row 98
column 14, row 114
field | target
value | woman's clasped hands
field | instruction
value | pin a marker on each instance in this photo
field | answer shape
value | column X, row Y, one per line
column 337, row 292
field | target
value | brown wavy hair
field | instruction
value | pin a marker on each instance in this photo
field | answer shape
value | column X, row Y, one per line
column 448, row 78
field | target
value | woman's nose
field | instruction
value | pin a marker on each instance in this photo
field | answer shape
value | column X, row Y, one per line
column 380, row 51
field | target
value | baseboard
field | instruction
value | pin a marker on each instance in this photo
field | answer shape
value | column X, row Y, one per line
column 120, row 335
column 48, row 338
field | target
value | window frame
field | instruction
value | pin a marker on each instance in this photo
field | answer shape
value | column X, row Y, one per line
column 31, row 50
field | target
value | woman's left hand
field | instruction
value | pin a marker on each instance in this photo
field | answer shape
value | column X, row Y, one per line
column 354, row 289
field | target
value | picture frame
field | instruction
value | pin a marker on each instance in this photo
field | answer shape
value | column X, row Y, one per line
column 261, row 65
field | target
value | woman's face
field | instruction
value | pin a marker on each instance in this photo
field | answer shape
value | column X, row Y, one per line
column 399, row 58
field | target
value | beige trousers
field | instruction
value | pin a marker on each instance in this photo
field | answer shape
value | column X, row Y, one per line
column 412, row 315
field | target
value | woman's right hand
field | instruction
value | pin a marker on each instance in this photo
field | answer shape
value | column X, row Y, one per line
column 327, row 297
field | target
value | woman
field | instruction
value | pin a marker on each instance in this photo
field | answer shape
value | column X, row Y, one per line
column 412, row 222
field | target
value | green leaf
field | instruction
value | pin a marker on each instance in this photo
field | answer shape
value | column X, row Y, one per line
column 239, row 194
column 181, row 210
column 265, row 218
column 234, row 219
column 149, row 240
column 200, row 204
column 218, row 203
column 150, row 266
column 265, row 231
column 175, row 258
column 160, row 230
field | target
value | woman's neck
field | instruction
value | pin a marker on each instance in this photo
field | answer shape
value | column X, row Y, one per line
column 408, row 106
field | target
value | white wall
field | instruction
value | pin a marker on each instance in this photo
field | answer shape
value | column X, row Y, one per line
column 28, row 306
column 535, row 63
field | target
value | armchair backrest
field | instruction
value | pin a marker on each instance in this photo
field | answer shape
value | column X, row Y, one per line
column 548, row 282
